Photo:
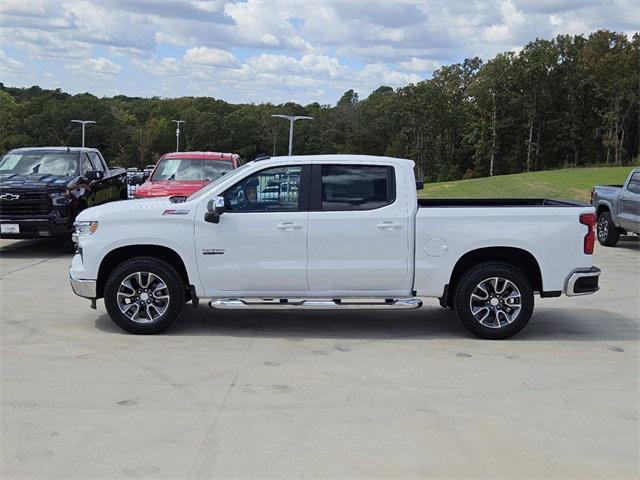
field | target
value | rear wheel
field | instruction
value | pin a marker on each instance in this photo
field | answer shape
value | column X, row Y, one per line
column 494, row 300
column 608, row 233
column 144, row 295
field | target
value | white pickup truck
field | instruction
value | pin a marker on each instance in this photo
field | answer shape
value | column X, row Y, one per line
column 331, row 232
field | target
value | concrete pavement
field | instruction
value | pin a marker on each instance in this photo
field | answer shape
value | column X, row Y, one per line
column 290, row 394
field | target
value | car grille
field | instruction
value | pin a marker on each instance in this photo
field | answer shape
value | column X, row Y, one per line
column 29, row 203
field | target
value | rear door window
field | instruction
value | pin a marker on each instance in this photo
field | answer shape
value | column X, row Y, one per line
column 355, row 187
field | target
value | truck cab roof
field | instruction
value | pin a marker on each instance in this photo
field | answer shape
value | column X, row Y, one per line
column 55, row 149
column 202, row 155
column 336, row 158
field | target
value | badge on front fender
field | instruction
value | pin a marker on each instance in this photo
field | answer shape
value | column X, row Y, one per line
column 175, row 212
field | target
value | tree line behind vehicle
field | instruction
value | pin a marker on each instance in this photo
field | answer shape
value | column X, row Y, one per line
column 567, row 101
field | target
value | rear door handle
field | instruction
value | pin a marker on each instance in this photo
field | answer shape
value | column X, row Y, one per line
column 289, row 226
column 389, row 225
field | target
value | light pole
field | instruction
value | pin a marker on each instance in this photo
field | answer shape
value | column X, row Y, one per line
column 178, row 122
column 83, row 123
column 292, row 118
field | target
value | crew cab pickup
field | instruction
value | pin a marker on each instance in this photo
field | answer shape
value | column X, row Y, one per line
column 43, row 189
column 618, row 209
column 338, row 232
column 182, row 173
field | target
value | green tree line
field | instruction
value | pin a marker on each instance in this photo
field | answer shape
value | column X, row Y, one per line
column 569, row 101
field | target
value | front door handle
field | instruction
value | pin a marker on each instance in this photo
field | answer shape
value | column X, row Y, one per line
column 389, row 225
column 289, row 226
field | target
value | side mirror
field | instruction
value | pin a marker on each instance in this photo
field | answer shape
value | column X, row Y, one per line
column 93, row 175
column 215, row 208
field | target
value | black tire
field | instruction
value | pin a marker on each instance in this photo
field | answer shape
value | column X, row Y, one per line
column 166, row 273
column 608, row 233
column 474, row 278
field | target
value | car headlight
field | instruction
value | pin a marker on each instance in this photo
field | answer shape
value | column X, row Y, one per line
column 84, row 229
column 60, row 199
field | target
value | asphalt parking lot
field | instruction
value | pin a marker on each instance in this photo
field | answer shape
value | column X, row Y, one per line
column 291, row 394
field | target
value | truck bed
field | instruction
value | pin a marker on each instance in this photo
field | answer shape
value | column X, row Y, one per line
column 496, row 202
column 448, row 229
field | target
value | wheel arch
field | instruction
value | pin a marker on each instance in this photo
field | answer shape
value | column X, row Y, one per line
column 602, row 207
column 514, row 256
column 117, row 256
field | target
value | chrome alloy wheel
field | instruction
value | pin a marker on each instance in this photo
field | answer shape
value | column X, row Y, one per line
column 603, row 229
column 143, row 297
column 495, row 302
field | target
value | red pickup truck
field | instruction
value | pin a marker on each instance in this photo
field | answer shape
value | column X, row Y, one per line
column 182, row 173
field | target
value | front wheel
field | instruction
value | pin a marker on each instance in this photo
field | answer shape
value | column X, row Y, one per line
column 144, row 295
column 608, row 233
column 494, row 300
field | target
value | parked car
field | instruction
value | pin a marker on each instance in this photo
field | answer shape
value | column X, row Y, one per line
column 43, row 189
column 356, row 236
column 618, row 209
column 183, row 173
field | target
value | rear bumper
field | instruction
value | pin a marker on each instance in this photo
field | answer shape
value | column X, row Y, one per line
column 38, row 228
column 83, row 288
column 583, row 282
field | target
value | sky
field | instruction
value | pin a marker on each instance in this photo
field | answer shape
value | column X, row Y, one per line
column 272, row 51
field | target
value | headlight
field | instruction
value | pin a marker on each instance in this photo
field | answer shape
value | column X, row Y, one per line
column 84, row 229
column 60, row 199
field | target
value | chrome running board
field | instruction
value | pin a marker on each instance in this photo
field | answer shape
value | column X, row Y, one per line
column 310, row 304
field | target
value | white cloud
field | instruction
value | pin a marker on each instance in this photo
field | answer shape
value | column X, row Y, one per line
column 10, row 66
column 508, row 28
column 264, row 50
column 419, row 65
column 270, row 40
column 213, row 57
column 95, row 67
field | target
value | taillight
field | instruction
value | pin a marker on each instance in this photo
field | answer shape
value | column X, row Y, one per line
column 589, row 219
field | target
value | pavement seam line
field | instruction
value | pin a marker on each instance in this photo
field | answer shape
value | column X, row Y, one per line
column 29, row 266
column 204, row 458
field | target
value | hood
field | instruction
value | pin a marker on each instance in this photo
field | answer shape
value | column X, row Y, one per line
column 34, row 182
column 167, row 188
column 126, row 208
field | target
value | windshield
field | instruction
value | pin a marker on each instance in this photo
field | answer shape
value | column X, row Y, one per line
column 190, row 169
column 63, row 164
column 233, row 174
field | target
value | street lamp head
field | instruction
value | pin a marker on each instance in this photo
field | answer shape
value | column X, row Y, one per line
column 84, row 123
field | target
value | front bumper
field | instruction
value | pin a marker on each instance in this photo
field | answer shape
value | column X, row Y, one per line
column 83, row 288
column 38, row 228
column 583, row 282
